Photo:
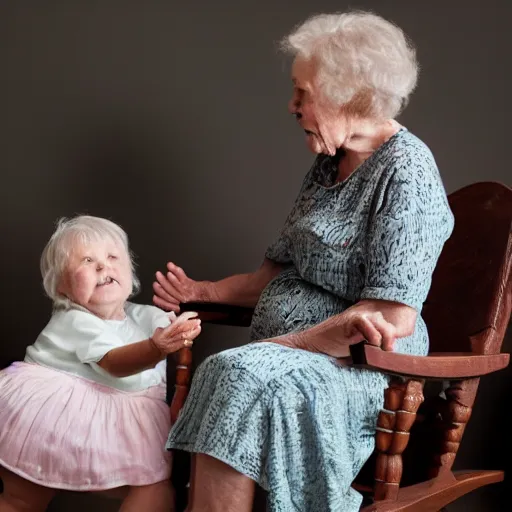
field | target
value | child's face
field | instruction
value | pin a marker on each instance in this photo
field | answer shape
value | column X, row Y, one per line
column 98, row 277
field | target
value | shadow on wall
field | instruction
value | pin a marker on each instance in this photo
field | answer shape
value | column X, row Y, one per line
column 110, row 171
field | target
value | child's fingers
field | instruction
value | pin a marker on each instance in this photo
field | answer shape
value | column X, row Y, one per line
column 194, row 333
column 180, row 330
column 188, row 342
column 191, row 333
column 181, row 344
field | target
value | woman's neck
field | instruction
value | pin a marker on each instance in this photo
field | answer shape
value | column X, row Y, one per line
column 367, row 136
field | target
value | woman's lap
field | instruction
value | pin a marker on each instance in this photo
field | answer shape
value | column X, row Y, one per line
column 297, row 423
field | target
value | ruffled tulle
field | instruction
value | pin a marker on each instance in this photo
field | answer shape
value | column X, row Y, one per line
column 65, row 432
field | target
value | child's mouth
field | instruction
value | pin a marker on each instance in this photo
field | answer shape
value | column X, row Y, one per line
column 107, row 281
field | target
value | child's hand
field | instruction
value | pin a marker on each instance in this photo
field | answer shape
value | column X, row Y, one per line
column 179, row 334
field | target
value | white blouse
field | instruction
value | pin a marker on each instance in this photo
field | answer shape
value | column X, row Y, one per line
column 75, row 340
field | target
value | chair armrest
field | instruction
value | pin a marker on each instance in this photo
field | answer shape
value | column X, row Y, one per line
column 223, row 314
column 441, row 365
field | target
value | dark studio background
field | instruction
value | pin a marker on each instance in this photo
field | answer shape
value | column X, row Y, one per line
column 170, row 118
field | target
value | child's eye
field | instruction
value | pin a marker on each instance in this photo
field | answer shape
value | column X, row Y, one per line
column 87, row 259
column 112, row 257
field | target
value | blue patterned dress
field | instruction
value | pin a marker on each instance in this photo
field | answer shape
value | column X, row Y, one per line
column 296, row 422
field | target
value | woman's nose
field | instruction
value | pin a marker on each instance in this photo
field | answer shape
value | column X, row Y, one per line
column 295, row 110
column 294, row 105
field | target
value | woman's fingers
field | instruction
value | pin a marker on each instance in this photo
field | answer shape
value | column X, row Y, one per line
column 159, row 290
column 366, row 328
column 178, row 272
column 165, row 305
column 167, row 286
column 387, row 332
column 173, row 280
column 376, row 330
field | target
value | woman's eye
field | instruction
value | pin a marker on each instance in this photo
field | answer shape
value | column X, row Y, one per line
column 87, row 259
column 112, row 257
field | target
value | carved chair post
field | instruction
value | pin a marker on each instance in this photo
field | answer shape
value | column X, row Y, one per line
column 401, row 402
column 455, row 414
column 182, row 382
column 181, row 460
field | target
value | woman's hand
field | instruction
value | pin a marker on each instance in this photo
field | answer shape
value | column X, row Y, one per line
column 378, row 322
column 179, row 334
column 175, row 287
column 354, row 326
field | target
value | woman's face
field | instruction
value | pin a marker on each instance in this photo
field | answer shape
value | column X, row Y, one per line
column 326, row 128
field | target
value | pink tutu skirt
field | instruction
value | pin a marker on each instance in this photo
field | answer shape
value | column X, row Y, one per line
column 67, row 432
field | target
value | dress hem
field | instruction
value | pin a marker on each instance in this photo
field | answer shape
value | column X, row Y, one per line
column 190, row 447
column 87, row 487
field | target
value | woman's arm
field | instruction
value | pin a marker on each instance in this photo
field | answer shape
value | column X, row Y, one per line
column 242, row 289
column 379, row 322
column 238, row 290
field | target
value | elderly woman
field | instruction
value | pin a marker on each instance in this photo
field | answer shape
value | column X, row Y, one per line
column 353, row 261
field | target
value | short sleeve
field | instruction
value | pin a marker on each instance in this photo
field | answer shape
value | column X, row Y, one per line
column 148, row 318
column 278, row 250
column 90, row 335
column 411, row 222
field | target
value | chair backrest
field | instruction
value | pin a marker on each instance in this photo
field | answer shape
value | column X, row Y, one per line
column 468, row 307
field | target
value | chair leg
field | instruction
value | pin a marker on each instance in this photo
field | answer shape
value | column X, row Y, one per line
column 460, row 396
column 401, row 402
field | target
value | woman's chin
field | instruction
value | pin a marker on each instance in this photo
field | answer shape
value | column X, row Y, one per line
column 313, row 144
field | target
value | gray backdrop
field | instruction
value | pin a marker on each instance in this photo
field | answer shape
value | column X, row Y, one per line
column 170, row 118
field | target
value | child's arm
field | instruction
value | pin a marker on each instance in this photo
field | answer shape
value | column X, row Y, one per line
column 137, row 357
column 131, row 359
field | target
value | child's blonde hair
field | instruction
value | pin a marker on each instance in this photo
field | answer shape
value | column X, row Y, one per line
column 80, row 229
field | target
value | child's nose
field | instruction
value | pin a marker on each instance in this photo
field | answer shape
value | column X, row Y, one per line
column 102, row 264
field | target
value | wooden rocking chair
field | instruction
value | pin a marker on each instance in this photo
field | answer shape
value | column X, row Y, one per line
column 467, row 312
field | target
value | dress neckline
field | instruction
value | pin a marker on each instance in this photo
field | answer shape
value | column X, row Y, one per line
column 326, row 167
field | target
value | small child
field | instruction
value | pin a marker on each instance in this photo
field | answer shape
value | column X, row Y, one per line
column 86, row 409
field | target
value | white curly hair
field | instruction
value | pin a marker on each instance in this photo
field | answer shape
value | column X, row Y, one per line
column 363, row 62
column 80, row 229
